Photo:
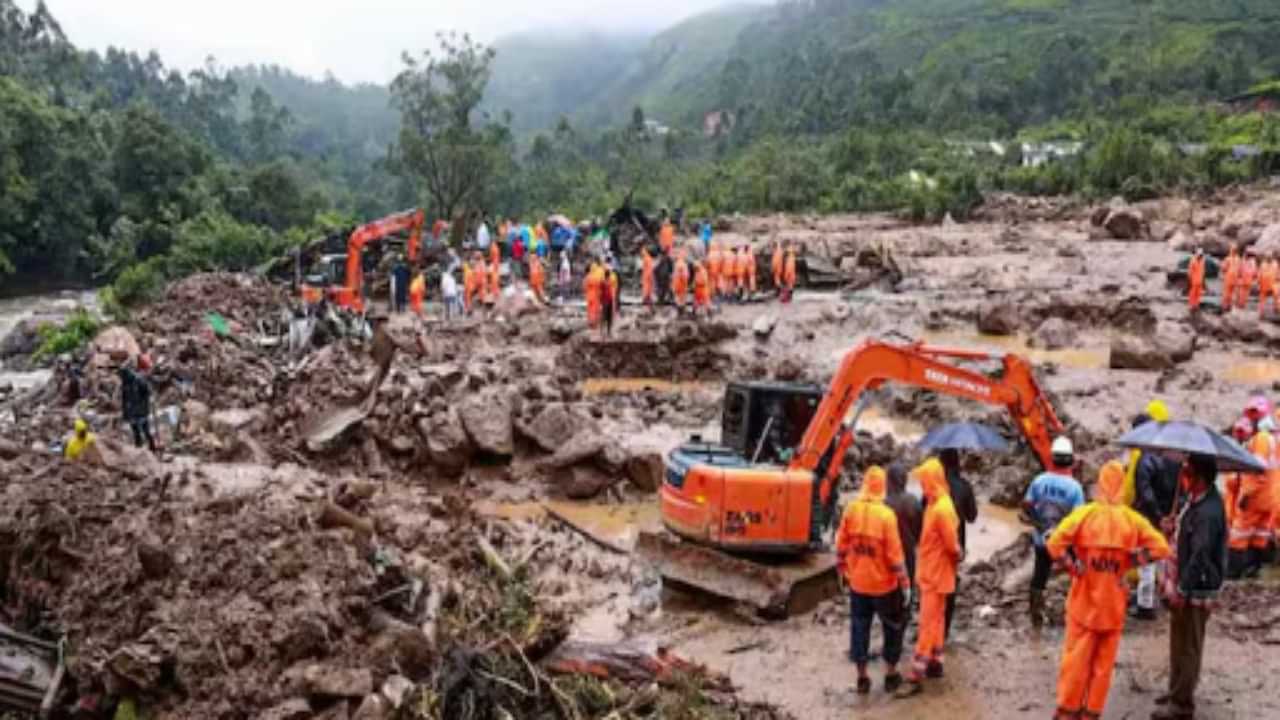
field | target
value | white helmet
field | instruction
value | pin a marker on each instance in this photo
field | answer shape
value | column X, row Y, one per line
column 1063, row 446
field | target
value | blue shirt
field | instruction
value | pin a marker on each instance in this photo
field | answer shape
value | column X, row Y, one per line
column 1052, row 497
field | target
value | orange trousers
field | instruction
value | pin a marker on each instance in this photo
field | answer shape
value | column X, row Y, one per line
column 1242, row 295
column 680, row 290
column 1084, row 678
column 646, row 289
column 931, row 635
column 1195, row 295
column 1264, row 293
column 1251, row 528
column 1228, row 292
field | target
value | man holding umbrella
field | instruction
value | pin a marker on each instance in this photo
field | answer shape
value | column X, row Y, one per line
column 1199, row 530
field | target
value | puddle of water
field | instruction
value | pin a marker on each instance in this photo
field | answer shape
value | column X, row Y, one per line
column 1086, row 358
column 997, row 528
column 614, row 525
column 1253, row 372
column 615, row 386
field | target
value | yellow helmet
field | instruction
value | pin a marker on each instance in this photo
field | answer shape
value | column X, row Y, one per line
column 1158, row 411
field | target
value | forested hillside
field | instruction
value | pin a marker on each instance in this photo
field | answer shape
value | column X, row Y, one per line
column 108, row 160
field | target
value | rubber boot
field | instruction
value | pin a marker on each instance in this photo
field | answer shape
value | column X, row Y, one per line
column 1037, row 608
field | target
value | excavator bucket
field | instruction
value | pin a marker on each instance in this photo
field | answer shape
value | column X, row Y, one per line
column 776, row 587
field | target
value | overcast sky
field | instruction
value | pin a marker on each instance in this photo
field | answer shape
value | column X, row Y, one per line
column 358, row 40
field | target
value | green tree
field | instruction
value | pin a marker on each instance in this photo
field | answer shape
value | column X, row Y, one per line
column 445, row 142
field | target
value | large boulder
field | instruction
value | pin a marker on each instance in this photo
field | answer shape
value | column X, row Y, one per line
column 446, row 442
column 1168, row 346
column 645, row 470
column 1126, row 223
column 23, row 339
column 764, row 325
column 1054, row 334
column 582, row 482
column 552, row 428
column 487, row 420
column 581, row 448
column 999, row 319
column 1269, row 243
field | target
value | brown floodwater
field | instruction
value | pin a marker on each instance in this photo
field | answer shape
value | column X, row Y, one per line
column 614, row 525
column 1090, row 357
column 1253, row 372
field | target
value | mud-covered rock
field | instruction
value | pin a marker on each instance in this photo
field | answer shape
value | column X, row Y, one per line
column 764, row 325
column 1167, row 347
column 373, row 707
column 1126, row 223
column 1054, row 334
column 551, row 428
column 335, row 682
column 487, row 420
column 1000, row 318
column 155, row 559
column 23, row 339
column 560, row 330
column 291, row 709
column 582, row 482
column 446, row 442
column 581, row 448
column 645, row 470
column 1269, row 242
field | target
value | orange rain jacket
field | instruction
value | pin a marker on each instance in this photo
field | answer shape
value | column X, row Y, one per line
column 667, row 237
column 777, row 265
column 1252, row 515
column 646, row 275
column 680, row 280
column 537, row 276
column 938, row 551
column 789, row 270
column 1103, row 537
column 868, row 547
column 701, row 286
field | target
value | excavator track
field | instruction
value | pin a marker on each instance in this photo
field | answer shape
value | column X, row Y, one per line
column 776, row 587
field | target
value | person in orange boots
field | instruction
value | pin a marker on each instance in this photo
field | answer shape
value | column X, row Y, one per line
column 789, row 274
column 701, row 290
column 1195, row 281
column 537, row 278
column 680, row 281
column 591, row 282
column 751, row 271
column 870, row 559
column 715, row 267
column 1247, row 279
column 417, row 293
column 1252, row 517
column 1098, row 544
column 938, row 554
column 1230, row 274
column 1268, row 279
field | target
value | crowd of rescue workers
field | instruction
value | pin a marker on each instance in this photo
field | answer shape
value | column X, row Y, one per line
column 1162, row 517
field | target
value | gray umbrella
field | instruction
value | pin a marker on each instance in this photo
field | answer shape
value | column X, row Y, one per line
column 963, row 436
column 1195, row 439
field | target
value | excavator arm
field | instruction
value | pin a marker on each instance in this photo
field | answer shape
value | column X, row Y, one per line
column 351, row 295
column 874, row 363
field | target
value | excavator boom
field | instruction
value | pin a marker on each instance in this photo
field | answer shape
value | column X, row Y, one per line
column 351, row 295
column 715, row 501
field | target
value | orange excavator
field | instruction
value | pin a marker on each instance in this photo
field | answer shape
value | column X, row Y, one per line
column 747, row 518
column 351, row 295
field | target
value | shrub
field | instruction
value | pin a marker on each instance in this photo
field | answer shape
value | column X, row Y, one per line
column 78, row 329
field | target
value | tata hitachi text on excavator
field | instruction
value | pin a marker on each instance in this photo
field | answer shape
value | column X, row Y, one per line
column 746, row 519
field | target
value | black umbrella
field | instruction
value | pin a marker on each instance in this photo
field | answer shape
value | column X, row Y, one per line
column 963, row 436
column 1195, row 439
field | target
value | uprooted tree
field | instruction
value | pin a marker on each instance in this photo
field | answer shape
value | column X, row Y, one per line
column 446, row 142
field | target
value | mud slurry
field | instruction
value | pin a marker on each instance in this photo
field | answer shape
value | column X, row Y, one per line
column 246, row 575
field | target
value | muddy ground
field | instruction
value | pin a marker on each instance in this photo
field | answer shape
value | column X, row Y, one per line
column 249, row 573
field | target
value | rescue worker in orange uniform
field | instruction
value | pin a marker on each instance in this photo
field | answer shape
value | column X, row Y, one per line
column 680, row 281
column 715, row 266
column 1230, row 274
column 495, row 250
column 789, row 274
column 1098, row 543
column 646, row 277
column 870, row 559
column 667, row 236
column 481, row 274
column 1248, row 278
column 701, row 289
column 468, row 287
column 537, row 277
column 417, row 293
column 938, row 554
column 495, row 282
column 776, row 265
column 751, row 270
column 1241, row 431
column 1252, row 519
column 591, row 283
column 1195, row 280
column 1268, row 277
